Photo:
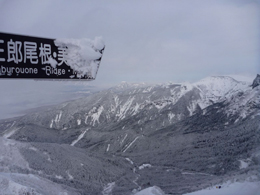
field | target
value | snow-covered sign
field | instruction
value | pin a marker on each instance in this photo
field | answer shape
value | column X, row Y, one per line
column 40, row 58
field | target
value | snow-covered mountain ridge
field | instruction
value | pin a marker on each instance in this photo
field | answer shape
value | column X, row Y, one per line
column 180, row 137
column 177, row 101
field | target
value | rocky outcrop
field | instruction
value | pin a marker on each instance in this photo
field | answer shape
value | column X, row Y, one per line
column 256, row 81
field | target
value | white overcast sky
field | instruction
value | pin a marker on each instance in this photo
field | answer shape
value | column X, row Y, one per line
column 146, row 41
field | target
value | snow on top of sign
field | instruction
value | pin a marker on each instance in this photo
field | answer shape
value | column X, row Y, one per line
column 52, row 62
column 82, row 55
column 99, row 43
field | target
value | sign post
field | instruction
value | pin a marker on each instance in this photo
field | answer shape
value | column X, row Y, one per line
column 40, row 58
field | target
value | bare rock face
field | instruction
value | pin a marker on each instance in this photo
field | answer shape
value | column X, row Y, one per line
column 256, row 81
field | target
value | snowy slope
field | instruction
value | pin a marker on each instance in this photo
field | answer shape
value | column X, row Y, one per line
column 151, row 191
column 215, row 89
column 14, row 169
column 16, row 183
column 54, row 169
column 237, row 188
column 142, row 107
column 127, row 100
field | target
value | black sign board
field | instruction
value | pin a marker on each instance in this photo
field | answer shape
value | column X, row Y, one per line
column 40, row 58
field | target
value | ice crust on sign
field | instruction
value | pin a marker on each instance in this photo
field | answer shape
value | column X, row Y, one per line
column 82, row 55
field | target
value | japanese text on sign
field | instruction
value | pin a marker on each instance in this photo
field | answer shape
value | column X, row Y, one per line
column 33, row 57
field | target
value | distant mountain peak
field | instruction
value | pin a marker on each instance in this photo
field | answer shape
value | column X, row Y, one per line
column 217, row 78
column 125, row 85
column 256, row 81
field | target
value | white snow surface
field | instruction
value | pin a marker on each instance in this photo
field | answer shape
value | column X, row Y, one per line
column 242, row 104
column 220, row 86
column 131, row 144
column 94, row 115
column 151, row 191
column 52, row 62
column 10, row 154
column 244, row 163
column 98, row 43
column 81, row 54
column 228, row 188
column 16, row 183
column 108, row 189
column 56, row 120
column 69, row 175
column 79, row 138
column 123, row 139
column 8, row 133
column 129, row 160
column 108, row 147
column 212, row 89
column 171, row 116
column 144, row 166
column 124, row 108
